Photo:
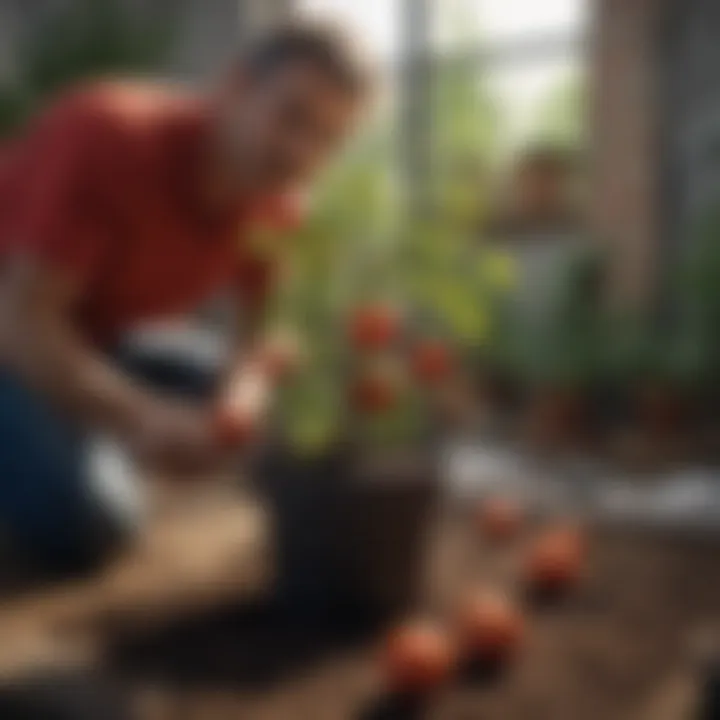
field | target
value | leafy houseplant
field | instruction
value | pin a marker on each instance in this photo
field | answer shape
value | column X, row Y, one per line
column 696, row 290
column 701, row 286
column 670, row 364
column 559, row 359
column 676, row 380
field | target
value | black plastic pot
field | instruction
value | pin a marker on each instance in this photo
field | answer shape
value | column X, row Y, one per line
column 64, row 695
column 351, row 534
column 710, row 693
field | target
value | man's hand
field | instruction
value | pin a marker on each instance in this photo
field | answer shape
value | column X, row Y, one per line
column 242, row 411
column 176, row 438
column 38, row 339
column 186, row 439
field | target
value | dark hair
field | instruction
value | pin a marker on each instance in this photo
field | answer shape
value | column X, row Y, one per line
column 320, row 44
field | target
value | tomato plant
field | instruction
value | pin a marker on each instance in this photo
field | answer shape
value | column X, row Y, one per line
column 368, row 288
column 418, row 657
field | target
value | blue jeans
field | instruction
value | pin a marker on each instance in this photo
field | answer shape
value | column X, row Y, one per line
column 49, row 512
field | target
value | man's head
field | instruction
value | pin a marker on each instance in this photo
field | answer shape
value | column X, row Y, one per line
column 294, row 97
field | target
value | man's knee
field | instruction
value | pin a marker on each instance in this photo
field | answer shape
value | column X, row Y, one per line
column 48, row 511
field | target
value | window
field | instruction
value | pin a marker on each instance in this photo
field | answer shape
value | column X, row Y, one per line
column 376, row 20
column 496, row 75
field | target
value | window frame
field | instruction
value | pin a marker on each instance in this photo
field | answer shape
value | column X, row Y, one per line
column 418, row 58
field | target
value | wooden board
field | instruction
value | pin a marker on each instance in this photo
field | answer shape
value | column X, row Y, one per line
column 620, row 648
column 199, row 553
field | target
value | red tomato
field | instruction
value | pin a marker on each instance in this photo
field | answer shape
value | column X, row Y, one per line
column 660, row 409
column 500, row 519
column 232, row 429
column 241, row 413
column 374, row 327
column 571, row 535
column 374, row 393
column 556, row 560
column 418, row 658
column 490, row 627
column 432, row 362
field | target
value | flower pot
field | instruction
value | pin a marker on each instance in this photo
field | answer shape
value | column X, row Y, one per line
column 660, row 410
column 556, row 419
column 499, row 399
column 496, row 389
column 351, row 534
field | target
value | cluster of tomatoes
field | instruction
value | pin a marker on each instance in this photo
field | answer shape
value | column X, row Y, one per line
column 376, row 388
column 486, row 628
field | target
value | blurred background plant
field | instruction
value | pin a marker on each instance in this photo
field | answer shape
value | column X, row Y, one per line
column 82, row 40
column 696, row 288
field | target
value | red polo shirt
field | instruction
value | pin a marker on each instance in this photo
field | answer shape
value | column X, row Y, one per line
column 107, row 186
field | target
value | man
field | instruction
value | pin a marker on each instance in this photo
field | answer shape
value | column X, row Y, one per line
column 126, row 203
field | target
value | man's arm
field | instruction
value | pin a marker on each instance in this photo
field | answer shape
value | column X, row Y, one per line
column 258, row 361
column 61, row 231
column 39, row 341
column 259, row 274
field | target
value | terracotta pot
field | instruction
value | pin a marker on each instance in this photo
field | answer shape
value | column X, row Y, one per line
column 351, row 533
column 499, row 400
column 557, row 418
column 661, row 410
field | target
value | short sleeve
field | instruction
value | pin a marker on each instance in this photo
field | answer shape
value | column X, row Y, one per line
column 58, row 215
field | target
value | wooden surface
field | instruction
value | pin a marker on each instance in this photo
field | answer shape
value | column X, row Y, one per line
column 197, row 553
column 166, row 623
column 623, row 647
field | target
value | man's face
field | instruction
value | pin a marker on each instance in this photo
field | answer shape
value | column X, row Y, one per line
column 281, row 129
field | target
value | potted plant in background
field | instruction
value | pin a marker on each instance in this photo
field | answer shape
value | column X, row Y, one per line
column 660, row 373
column 561, row 359
column 500, row 362
column 697, row 289
column 666, row 363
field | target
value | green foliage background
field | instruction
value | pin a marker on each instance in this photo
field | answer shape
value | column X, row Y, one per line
column 83, row 39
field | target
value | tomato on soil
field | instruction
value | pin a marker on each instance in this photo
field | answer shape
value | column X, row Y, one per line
column 489, row 626
column 556, row 560
column 500, row 519
column 418, row 658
